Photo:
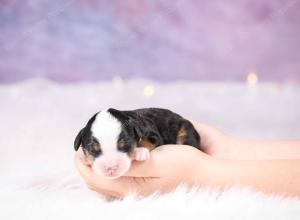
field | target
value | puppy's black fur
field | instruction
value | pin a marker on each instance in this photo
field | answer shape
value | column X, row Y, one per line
column 153, row 126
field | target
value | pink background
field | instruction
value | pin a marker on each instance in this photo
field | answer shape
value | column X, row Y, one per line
column 164, row 40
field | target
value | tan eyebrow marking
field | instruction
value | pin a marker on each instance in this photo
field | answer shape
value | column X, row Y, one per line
column 96, row 146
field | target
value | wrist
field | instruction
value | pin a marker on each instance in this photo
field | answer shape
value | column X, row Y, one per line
column 225, row 148
column 214, row 173
column 205, row 171
column 234, row 149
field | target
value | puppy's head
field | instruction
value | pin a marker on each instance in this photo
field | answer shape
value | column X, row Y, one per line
column 108, row 141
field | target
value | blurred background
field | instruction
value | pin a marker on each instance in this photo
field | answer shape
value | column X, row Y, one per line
column 164, row 40
column 232, row 64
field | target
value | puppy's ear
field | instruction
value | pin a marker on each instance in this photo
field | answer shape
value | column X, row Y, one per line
column 127, row 121
column 137, row 129
column 78, row 139
column 121, row 115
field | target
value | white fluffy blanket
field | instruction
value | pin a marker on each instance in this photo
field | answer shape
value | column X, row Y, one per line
column 39, row 120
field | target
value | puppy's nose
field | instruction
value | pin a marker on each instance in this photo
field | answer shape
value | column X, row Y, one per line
column 110, row 170
column 111, row 167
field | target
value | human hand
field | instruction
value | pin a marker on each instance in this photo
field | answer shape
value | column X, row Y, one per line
column 167, row 167
column 222, row 146
column 213, row 141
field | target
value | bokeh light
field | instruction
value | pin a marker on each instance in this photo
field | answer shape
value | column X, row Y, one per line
column 252, row 78
column 148, row 90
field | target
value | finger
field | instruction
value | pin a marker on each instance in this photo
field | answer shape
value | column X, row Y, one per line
column 79, row 153
column 148, row 186
column 116, row 187
column 161, row 160
column 84, row 170
column 151, row 167
column 142, row 185
column 145, row 168
column 200, row 127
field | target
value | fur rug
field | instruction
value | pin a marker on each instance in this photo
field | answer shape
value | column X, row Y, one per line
column 39, row 120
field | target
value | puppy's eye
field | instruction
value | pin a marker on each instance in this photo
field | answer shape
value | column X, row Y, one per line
column 121, row 143
column 95, row 150
column 96, row 146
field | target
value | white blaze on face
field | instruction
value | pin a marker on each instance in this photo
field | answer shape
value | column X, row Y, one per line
column 112, row 163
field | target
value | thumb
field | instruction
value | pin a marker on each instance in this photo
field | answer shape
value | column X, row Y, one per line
column 147, row 168
column 152, row 167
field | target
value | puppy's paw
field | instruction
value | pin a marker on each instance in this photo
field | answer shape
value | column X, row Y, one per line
column 142, row 153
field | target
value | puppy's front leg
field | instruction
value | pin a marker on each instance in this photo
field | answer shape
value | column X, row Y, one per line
column 142, row 153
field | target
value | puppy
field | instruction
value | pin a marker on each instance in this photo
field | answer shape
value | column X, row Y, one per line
column 112, row 138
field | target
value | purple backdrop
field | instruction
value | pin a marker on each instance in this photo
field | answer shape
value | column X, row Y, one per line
column 164, row 39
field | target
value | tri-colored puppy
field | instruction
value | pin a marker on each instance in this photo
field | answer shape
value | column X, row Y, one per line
column 112, row 138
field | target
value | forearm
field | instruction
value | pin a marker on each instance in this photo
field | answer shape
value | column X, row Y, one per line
column 273, row 176
column 240, row 149
column 222, row 146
